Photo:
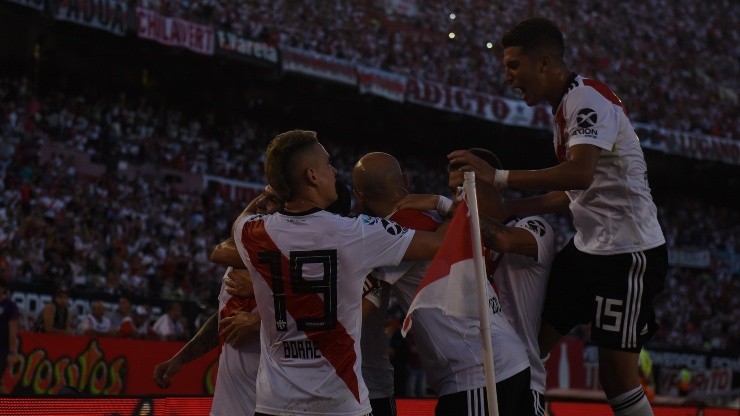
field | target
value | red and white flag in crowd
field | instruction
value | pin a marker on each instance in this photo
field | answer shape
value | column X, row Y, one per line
column 449, row 283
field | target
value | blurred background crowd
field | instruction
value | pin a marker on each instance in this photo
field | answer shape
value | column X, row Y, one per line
column 134, row 235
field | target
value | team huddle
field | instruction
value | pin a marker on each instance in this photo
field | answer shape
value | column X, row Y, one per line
column 304, row 297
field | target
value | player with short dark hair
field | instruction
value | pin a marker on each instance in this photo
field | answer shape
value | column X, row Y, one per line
column 614, row 267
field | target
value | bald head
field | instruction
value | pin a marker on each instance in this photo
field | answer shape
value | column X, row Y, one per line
column 378, row 176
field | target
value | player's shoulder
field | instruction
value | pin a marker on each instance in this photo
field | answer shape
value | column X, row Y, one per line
column 417, row 220
column 536, row 225
column 588, row 91
column 378, row 223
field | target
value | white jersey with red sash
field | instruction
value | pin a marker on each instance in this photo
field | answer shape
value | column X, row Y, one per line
column 450, row 347
column 521, row 283
column 616, row 213
column 235, row 392
column 308, row 271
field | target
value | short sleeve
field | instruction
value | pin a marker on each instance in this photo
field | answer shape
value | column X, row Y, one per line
column 384, row 241
column 590, row 118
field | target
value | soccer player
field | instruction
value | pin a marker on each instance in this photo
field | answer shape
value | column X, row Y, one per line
column 615, row 265
column 449, row 347
column 308, row 268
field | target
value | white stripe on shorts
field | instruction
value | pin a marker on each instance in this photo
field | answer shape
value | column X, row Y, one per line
column 634, row 300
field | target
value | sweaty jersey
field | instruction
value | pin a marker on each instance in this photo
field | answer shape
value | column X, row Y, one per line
column 521, row 283
column 308, row 271
column 235, row 392
column 616, row 213
column 450, row 347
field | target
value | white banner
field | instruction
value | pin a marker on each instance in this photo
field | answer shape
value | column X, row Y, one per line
column 173, row 31
column 231, row 43
column 318, row 65
column 108, row 15
column 477, row 104
column 381, row 83
column 693, row 145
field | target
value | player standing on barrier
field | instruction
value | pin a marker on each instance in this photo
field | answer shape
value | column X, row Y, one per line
column 615, row 265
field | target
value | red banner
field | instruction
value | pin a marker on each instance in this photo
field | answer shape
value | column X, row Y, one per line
column 318, row 65
column 381, row 83
column 102, row 366
column 173, row 31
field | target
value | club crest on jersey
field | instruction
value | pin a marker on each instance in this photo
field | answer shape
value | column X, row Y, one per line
column 392, row 228
column 368, row 219
column 586, row 119
column 536, row 226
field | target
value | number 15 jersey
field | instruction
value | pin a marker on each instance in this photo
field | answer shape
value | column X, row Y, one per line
column 308, row 272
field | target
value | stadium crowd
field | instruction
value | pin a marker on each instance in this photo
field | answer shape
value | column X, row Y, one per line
column 140, row 237
column 675, row 54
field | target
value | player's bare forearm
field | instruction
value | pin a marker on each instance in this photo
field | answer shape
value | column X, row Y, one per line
column 226, row 254
column 499, row 237
column 555, row 202
column 205, row 340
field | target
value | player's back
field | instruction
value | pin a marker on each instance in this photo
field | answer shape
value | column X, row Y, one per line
column 308, row 271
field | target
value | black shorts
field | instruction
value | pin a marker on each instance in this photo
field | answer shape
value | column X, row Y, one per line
column 513, row 395
column 614, row 293
column 385, row 406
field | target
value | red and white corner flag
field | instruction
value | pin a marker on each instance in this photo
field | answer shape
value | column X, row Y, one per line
column 457, row 277
column 449, row 283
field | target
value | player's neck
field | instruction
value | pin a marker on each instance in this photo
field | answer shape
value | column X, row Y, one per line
column 300, row 204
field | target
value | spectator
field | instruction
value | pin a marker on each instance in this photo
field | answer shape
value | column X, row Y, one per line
column 136, row 325
column 95, row 323
column 172, row 326
column 55, row 317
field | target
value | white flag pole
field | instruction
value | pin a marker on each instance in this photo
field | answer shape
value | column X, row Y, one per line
column 482, row 292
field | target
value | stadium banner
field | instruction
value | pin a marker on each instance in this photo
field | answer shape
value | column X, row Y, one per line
column 231, row 44
column 34, row 4
column 575, row 365
column 318, row 65
column 53, row 364
column 109, row 15
column 172, row 31
column 476, row 104
column 384, row 84
column 232, row 189
column 689, row 144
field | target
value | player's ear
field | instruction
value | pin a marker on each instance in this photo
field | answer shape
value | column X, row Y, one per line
column 544, row 62
column 310, row 176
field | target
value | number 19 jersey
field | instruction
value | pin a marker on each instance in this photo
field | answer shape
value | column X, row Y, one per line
column 308, row 272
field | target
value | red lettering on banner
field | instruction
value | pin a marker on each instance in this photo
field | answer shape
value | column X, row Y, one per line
column 482, row 101
column 412, row 89
column 462, row 100
column 541, row 117
column 500, row 108
column 432, row 94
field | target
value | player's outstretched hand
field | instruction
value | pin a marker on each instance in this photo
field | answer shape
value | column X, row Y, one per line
column 239, row 283
column 465, row 161
column 239, row 327
column 163, row 372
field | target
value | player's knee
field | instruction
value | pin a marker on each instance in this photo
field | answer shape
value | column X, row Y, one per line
column 617, row 371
